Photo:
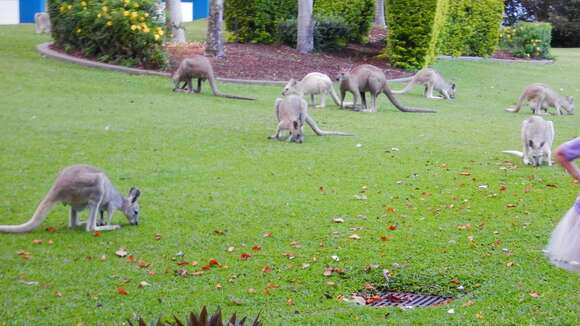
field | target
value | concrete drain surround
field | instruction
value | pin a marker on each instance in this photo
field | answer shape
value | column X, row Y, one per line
column 405, row 300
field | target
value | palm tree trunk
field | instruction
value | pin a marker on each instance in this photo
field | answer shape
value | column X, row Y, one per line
column 215, row 29
column 305, row 41
column 380, row 13
column 176, row 21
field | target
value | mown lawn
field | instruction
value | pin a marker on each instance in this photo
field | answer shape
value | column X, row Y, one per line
column 211, row 180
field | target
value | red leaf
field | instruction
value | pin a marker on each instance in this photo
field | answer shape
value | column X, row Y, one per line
column 257, row 248
column 267, row 269
column 143, row 264
column 130, row 258
column 182, row 263
column 214, row 262
column 206, row 267
column 392, row 227
column 391, row 210
column 97, row 234
column 51, row 229
column 122, row 291
column 245, row 256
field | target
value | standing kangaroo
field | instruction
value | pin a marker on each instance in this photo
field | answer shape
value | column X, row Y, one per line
column 292, row 112
column 541, row 97
column 433, row 81
column 368, row 78
column 537, row 138
column 199, row 67
column 42, row 22
column 313, row 84
column 80, row 187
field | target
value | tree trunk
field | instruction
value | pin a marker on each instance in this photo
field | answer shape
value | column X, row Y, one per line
column 380, row 13
column 215, row 29
column 175, row 21
column 305, row 42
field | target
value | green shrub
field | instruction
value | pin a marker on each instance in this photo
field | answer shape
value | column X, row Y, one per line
column 330, row 33
column 358, row 14
column 258, row 20
column 528, row 40
column 414, row 27
column 472, row 27
column 125, row 32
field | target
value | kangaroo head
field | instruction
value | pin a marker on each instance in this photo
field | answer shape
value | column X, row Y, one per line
column 131, row 206
column 290, row 88
column 569, row 104
column 451, row 90
column 344, row 74
column 297, row 131
column 536, row 152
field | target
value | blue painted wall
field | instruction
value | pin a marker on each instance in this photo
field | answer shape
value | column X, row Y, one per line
column 28, row 8
column 200, row 9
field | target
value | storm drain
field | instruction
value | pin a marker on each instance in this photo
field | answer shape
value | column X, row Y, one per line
column 403, row 299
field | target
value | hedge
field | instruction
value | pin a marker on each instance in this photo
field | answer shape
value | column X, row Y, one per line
column 528, row 40
column 330, row 33
column 472, row 27
column 414, row 27
column 358, row 14
column 258, row 20
column 125, row 32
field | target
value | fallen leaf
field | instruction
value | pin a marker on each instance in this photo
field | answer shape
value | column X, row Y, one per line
column 354, row 299
column 151, row 273
column 360, row 197
column 130, row 258
column 451, row 311
column 479, row 315
column 24, row 254
column 214, row 262
column 206, row 267
column 464, row 226
column 510, row 264
column 455, row 281
column 511, row 205
column 392, row 227
column 219, row 232
column 58, row 294
column 465, row 173
column 143, row 284
column 338, row 220
column 552, row 185
column 368, row 286
column 331, row 283
column 157, row 236
column 122, row 291
column 290, row 302
column 103, row 258
column 470, row 238
column 122, row 252
column 182, row 263
column 251, row 290
column 295, row 244
column 335, row 258
column 267, row 269
column 218, row 286
column 97, row 234
column 391, row 210
column 305, row 266
column 355, row 237
column 272, row 286
column 328, row 271
column 502, row 188
column 373, row 299
column 385, row 238
column 469, row 303
column 50, row 242
column 194, row 263
column 51, row 229
column 267, row 235
column 534, row 294
column 37, row 242
column 245, row 256
column 199, row 273
column 143, row 264
column 289, row 255
column 256, row 248
column 231, row 249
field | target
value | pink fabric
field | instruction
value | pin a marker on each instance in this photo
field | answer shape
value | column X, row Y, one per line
column 571, row 149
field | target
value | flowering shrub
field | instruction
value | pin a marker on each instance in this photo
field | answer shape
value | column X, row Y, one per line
column 528, row 40
column 125, row 32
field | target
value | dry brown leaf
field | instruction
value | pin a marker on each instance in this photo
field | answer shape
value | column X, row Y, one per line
column 122, row 291
column 251, row 290
column 534, row 294
column 122, row 252
column 267, row 235
column 469, row 303
column 143, row 284
column 51, row 229
column 267, row 269
column 290, row 302
column 355, row 237
column 157, row 236
column 37, row 241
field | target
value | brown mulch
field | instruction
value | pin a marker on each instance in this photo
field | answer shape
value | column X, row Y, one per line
column 280, row 62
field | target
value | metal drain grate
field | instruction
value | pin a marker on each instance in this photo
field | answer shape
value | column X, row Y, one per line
column 402, row 299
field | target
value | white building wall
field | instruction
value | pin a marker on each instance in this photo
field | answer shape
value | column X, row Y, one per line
column 186, row 11
column 9, row 12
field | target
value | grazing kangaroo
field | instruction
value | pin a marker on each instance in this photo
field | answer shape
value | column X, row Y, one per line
column 541, row 97
column 42, row 22
column 537, row 138
column 432, row 80
column 368, row 78
column 313, row 84
column 291, row 112
column 80, row 187
column 199, row 67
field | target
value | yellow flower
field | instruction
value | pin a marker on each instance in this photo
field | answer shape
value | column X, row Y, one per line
column 146, row 14
column 142, row 19
column 83, row 3
column 109, row 23
column 134, row 15
column 99, row 15
column 104, row 9
column 156, row 37
column 135, row 5
column 125, row 13
column 69, row 7
column 160, row 31
column 79, row 30
column 133, row 27
column 146, row 29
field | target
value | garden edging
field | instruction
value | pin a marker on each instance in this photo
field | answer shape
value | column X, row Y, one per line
column 44, row 49
column 467, row 58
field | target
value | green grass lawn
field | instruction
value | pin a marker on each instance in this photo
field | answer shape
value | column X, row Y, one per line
column 210, row 180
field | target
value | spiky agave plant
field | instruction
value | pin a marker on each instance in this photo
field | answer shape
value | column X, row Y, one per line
column 202, row 320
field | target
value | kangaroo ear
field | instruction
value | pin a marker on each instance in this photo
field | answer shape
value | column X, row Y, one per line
column 134, row 194
column 295, row 124
column 453, row 86
column 571, row 99
column 531, row 143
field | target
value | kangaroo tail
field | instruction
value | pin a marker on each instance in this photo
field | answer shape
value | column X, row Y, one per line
column 321, row 132
column 334, row 96
column 515, row 153
column 39, row 215
column 216, row 92
column 399, row 106
column 407, row 88
column 518, row 106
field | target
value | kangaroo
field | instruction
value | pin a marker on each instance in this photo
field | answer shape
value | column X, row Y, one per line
column 42, row 22
column 199, row 67
column 537, row 138
column 80, row 187
column 368, row 78
column 541, row 97
column 432, row 80
column 312, row 84
column 291, row 112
